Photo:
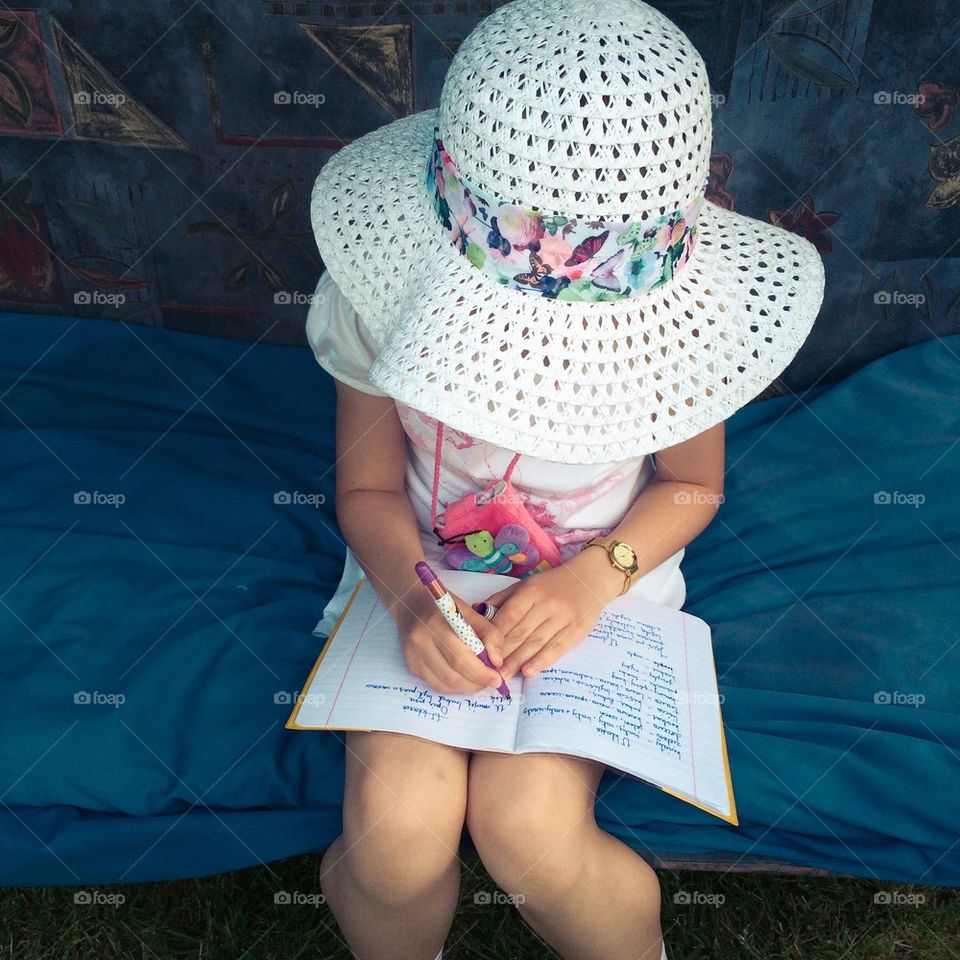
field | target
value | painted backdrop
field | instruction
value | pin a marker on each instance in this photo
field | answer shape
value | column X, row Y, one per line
column 156, row 158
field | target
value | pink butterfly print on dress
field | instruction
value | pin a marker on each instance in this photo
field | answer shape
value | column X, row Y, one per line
column 408, row 417
column 551, row 511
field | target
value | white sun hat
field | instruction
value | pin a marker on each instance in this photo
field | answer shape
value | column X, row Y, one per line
column 535, row 260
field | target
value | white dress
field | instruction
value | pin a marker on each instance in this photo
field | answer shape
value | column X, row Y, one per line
column 572, row 502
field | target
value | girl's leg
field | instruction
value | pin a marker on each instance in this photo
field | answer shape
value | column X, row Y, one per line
column 531, row 818
column 392, row 878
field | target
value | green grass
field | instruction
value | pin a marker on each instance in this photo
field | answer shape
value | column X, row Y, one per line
column 234, row 917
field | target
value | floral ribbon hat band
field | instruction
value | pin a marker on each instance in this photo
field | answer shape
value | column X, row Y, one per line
column 536, row 260
column 564, row 258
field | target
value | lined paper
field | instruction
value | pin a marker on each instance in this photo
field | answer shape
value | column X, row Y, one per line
column 638, row 694
column 641, row 697
column 365, row 684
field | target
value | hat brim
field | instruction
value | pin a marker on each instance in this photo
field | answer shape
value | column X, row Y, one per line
column 573, row 382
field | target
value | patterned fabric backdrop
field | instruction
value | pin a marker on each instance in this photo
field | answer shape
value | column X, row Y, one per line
column 156, row 158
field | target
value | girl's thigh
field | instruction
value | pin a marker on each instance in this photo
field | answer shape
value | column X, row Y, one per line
column 405, row 784
column 522, row 786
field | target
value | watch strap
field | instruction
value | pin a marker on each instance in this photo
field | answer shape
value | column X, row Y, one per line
column 605, row 543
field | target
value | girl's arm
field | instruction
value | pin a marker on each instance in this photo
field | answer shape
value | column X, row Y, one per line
column 543, row 617
column 378, row 522
column 673, row 509
column 372, row 506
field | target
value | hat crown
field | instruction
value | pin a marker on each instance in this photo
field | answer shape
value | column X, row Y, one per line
column 579, row 108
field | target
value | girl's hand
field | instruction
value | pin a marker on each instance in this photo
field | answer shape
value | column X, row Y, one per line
column 434, row 653
column 546, row 614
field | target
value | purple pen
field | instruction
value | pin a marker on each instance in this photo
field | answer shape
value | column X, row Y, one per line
column 454, row 617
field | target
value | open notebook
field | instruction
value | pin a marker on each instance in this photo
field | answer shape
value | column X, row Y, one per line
column 638, row 694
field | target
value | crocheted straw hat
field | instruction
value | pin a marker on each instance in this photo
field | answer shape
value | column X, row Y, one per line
column 535, row 260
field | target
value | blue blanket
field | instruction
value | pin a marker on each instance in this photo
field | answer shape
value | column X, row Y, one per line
column 165, row 555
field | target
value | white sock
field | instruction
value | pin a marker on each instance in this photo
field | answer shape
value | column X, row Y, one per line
column 440, row 955
column 663, row 951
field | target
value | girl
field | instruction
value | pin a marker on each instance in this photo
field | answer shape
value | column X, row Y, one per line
column 527, row 284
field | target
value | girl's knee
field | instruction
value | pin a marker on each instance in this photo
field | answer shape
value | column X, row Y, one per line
column 394, row 852
column 401, row 829
column 527, row 833
column 501, row 815
column 530, row 797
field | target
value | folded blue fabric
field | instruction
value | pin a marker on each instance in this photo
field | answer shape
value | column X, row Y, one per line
column 831, row 579
column 165, row 556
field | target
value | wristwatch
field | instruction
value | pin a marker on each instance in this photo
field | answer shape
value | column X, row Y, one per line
column 621, row 555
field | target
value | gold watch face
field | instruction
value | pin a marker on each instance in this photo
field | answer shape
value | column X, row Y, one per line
column 624, row 556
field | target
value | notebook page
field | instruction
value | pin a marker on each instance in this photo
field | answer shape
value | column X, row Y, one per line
column 362, row 681
column 639, row 694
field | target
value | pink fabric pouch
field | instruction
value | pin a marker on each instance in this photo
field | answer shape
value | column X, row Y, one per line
column 492, row 531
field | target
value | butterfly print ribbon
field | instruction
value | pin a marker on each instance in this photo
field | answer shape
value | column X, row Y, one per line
column 559, row 257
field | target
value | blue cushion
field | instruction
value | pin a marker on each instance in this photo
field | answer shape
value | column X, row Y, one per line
column 177, row 607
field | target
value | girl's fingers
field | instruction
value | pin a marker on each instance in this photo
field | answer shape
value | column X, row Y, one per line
column 490, row 635
column 526, row 650
column 466, row 665
column 533, row 623
column 461, row 659
column 552, row 651
column 448, row 678
column 497, row 598
column 542, row 659
column 493, row 643
column 511, row 609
